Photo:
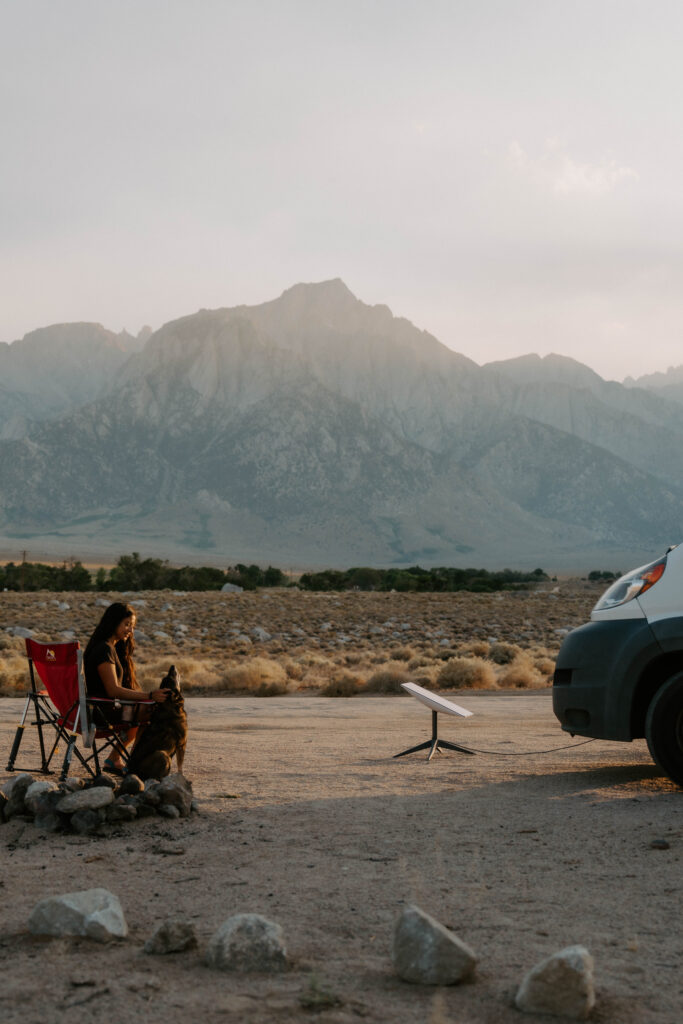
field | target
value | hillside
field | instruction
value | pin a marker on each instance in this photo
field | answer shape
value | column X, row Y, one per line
column 315, row 430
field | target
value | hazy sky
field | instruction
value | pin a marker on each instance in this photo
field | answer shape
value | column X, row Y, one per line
column 505, row 173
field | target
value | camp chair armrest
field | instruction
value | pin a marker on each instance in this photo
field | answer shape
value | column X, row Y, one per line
column 117, row 700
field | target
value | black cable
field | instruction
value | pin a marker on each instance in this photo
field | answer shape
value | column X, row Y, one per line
column 525, row 753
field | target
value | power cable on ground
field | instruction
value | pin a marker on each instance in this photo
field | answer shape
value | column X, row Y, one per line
column 525, row 753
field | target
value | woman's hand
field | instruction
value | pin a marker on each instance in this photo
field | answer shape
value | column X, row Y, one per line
column 159, row 695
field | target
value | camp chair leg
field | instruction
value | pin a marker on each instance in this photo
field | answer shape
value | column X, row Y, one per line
column 15, row 747
column 67, row 757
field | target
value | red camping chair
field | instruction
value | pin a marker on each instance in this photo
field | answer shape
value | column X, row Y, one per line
column 65, row 707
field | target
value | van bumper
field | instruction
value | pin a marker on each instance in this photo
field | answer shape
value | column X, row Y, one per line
column 596, row 673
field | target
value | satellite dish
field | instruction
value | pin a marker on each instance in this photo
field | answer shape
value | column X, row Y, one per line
column 436, row 704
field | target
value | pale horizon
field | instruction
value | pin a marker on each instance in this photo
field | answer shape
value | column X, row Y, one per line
column 504, row 175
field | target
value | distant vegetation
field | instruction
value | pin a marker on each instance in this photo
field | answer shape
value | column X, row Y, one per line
column 421, row 580
column 134, row 573
column 604, row 575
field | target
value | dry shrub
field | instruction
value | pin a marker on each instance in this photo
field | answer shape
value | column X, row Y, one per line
column 474, row 649
column 12, row 645
column 419, row 662
column 521, row 675
column 426, row 681
column 387, row 680
column 260, row 676
column 466, row 673
column 343, row 685
column 294, row 670
column 195, row 674
column 14, row 677
column 503, row 654
column 402, row 653
column 546, row 666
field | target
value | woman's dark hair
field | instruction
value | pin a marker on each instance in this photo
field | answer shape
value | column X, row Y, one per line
column 108, row 624
column 124, row 651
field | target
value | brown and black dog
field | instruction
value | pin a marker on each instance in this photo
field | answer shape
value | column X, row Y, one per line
column 164, row 736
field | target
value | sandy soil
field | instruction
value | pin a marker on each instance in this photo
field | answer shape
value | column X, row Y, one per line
column 306, row 817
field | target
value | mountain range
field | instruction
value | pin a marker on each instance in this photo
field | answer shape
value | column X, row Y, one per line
column 316, row 430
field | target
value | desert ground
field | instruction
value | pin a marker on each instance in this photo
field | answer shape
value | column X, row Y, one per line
column 279, row 641
column 534, row 843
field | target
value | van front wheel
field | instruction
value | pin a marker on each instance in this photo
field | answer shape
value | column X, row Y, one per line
column 664, row 728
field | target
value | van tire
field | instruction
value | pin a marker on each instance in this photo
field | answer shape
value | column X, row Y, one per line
column 664, row 728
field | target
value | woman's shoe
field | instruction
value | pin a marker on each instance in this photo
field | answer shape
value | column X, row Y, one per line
column 113, row 769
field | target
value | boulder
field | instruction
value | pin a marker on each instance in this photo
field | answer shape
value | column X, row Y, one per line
column 35, row 791
column 94, row 914
column 15, row 790
column 562, row 984
column 46, row 816
column 103, row 780
column 87, row 821
column 168, row 811
column 119, row 811
column 86, row 800
column 172, row 936
column 426, row 953
column 177, row 791
column 131, row 784
column 247, row 942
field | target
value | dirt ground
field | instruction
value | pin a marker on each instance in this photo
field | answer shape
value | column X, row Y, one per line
column 306, row 817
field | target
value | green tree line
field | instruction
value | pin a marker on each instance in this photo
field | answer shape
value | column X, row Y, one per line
column 421, row 580
column 132, row 572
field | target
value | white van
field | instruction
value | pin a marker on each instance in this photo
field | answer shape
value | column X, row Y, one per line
column 620, row 676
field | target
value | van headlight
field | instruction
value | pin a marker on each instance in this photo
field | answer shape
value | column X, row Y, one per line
column 633, row 584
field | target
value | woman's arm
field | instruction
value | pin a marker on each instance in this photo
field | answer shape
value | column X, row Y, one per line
column 107, row 674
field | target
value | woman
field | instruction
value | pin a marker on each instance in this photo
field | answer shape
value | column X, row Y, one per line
column 110, row 673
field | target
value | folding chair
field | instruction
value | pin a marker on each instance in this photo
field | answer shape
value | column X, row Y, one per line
column 65, row 707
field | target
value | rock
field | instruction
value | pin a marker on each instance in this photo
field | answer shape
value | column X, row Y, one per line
column 168, row 811
column 261, row 634
column 49, row 822
column 35, row 791
column 118, row 812
column 86, row 799
column 94, row 914
column 231, row 588
column 427, row 953
column 150, row 795
column 15, row 791
column 72, row 785
column 143, row 809
column 25, row 634
column 247, row 942
column 172, row 936
column 87, row 821
column 45, row 810
column 23, row 781
column 104, row 780
column 562, row 984
column 131, row 784
column 176, row 790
